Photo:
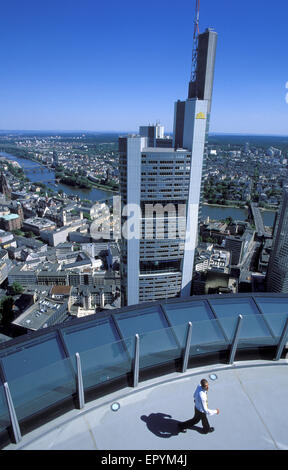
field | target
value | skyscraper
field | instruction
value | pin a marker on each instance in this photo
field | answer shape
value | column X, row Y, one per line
column 161, row 192
column 277, row 273
column 55, row 159
column 5, row 188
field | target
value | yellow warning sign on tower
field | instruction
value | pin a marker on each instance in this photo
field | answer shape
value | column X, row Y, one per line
column 200, row 116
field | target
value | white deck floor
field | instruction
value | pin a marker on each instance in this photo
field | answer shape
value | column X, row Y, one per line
column 251, row 396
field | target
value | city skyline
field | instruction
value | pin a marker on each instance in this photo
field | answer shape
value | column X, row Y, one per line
column 68, row 68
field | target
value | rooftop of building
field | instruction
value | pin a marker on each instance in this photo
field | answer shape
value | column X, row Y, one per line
column 38, row 314
column 39, row 222
column 40, row 371
column 10, row 216
column 61, row 290
column 3, row 233
column 52, row 272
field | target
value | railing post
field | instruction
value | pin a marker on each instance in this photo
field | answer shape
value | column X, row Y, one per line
column 187, row 347
column 136, row 362
column 282, row 341
column 80, row 388
column 12, row 414
column 235, row 340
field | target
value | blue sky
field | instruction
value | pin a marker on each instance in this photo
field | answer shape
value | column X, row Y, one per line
column 90, row 65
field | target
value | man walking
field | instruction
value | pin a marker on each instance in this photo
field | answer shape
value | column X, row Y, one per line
column 201, row 409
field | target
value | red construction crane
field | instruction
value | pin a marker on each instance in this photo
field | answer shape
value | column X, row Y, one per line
column 195, row 42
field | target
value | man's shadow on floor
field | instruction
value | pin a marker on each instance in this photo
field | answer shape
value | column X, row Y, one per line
column 163, row 425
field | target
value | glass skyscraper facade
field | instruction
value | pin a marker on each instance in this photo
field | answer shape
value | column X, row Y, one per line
column 161, row 185
column 277, row 274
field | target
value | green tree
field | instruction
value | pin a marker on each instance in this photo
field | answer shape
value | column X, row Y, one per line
column 16, row 288
column 29, row 234
column 17, row 232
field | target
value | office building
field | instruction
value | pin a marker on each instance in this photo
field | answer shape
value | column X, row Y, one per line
column 55, row 159
column 161, row 193
column 239, row 245
column 42, row 314
column 38, row 225
column 277, row 273
column 5, row 188
column 152, row 132
column 10, row 222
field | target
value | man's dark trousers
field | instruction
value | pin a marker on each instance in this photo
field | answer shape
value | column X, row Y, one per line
column 198, row 416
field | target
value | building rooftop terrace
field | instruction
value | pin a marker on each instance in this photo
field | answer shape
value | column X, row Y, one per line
column 149, row 359
column 251, row 398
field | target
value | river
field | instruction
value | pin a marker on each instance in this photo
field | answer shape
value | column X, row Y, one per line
column 218, row 213
column 36, row 172
column 40, row 173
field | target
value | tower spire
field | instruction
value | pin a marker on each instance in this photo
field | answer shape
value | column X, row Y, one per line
column 195, row 42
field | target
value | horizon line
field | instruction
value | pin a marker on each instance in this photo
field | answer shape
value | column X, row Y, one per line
column 81, row 131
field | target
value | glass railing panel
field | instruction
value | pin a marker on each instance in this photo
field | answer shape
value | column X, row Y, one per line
column 32, row 355
column 43, row 388
column 141, row 320
column 4, row 413
column 179, row 333
column 208, row 337
column 181, row 312
column 207, row 333
column 159, row 347
column 90, row 335
column 276, row 322
column 107, row 362
column 229, row 307
column 272, row 305
column 228, row 327
column 255, row 332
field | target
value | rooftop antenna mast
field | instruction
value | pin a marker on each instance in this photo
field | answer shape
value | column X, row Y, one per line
column 195, row 42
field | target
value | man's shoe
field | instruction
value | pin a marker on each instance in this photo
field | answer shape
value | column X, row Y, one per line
column 181, row 429
column 206, row 431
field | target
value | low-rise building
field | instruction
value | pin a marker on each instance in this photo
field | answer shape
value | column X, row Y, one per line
column 38, row 225
column 55, row 237
column 10, row 222
column 52, row 277
column 60, row 292
column 21, row 274
column 213, row 282
column 5, row 267
column 220, row 260
column 44, row 313
column 239, row 245
column 5, row 236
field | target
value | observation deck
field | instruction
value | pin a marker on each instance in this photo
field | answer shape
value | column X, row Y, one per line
column 58, row 385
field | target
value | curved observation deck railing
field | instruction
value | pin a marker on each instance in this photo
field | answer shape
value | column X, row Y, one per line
column 45, row 374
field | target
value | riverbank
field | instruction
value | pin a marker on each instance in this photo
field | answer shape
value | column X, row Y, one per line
column 104, row 188
column 39, row 162
column 225, row 206
column 36, row 172
column 263, row 209
column 65, row 181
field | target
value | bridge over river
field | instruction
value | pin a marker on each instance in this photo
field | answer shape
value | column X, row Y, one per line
column 257, row 216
